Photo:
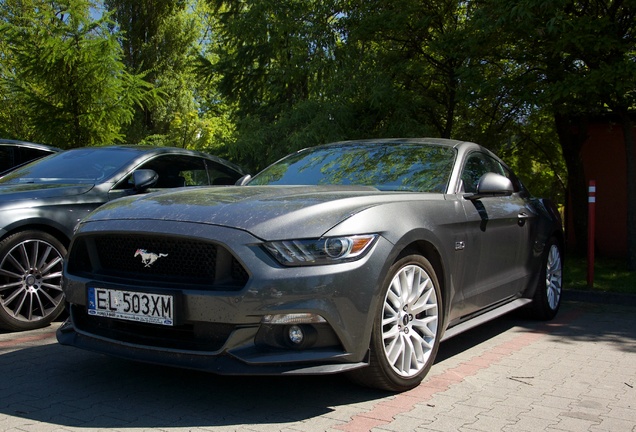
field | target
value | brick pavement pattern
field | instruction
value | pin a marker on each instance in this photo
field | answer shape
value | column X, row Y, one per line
column 575, row 373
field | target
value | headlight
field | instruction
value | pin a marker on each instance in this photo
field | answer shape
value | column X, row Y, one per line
column 327, row 250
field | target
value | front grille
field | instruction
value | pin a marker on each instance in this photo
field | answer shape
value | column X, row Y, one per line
column 189, row 337
column 163, row 257
column 156, row 260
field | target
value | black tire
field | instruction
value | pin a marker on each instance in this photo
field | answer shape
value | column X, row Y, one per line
column 31, row 296
column 547, row 298
column 407, row 328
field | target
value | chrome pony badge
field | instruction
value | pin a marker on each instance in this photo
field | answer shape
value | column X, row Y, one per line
column 148, row 258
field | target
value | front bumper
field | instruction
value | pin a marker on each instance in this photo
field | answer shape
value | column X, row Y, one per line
column 225, row 364
column 224, row 331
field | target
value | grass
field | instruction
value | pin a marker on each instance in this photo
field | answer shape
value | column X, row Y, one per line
column 610, row 275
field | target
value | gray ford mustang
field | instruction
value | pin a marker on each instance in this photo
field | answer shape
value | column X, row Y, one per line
column 357, row 257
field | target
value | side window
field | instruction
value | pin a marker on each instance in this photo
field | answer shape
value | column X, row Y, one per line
column 6, row 158
column 476, row 166
column 174, row 171
column 221, row 175
column 516, row 183
column 29, row 154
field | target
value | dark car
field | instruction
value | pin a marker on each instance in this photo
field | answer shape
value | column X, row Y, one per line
column 15, row 153
column 42, row 202
column 357, row 256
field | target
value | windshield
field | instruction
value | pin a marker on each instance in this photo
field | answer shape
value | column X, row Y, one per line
column 392, row 167
column 86, row 165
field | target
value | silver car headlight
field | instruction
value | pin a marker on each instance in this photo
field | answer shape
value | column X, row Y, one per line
column 326, row 250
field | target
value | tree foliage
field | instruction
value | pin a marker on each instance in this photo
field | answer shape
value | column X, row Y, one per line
column 580, row 62
column 253, row 80
column 159, row 38
column 66, row 70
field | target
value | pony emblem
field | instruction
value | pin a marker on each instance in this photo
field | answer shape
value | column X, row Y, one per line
column 148, row 258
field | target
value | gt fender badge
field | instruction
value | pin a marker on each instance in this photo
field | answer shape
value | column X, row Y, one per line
column 148, row 258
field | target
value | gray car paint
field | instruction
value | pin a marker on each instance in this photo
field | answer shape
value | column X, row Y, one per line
column 241, row 218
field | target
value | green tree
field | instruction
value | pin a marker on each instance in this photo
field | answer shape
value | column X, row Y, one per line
column 271, row 62
column 68, row 74
column 579, row 62
column 415, row 58
column 160, row 39
column 13, row 122
column 299, row 74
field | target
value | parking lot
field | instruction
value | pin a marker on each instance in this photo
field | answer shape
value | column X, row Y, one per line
column 575, row 373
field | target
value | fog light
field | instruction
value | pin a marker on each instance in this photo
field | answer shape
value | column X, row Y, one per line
column 295, row 334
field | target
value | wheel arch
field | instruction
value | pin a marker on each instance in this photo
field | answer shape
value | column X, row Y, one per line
column 55, row 232
column 429, row 251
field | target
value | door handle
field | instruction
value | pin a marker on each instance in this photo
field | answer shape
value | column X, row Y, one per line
column 521, row 218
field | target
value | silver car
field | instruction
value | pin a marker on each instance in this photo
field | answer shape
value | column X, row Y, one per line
column 357, row 257
column 42, row 202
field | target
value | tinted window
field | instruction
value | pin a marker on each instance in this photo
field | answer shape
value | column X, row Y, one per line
column 476, row 166
column 82, row 166
column 516, row 183
column 7, row 159
column 183, row 170
column 13, row 155
column 173, row 171
column 399, row 167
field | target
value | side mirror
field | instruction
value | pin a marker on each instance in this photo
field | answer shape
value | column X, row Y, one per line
column 243, row 180
column 491, row 185
column 144, row 179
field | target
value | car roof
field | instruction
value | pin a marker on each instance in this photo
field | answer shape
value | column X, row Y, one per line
column 29, row 144
column 445, row 142
column 142, row 149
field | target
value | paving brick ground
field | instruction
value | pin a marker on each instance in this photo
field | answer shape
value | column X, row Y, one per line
column 576, row 373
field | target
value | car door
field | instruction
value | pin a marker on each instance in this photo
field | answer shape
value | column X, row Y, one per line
column 497, row 238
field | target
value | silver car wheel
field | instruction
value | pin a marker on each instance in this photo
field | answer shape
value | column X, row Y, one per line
column 409, row 323
column 554, row 277
column 30, row 283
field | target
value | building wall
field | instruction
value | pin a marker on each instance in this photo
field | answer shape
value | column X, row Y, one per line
column 604, row 158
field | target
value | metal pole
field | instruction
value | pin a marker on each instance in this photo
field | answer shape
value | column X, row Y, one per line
column 591, row 231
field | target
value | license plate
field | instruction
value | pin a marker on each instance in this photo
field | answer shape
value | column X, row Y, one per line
column 131, row 306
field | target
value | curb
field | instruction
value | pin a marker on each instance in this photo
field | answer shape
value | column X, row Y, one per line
column 600, row 297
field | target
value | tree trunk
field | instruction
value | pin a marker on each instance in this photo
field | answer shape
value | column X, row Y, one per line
column 573, row 132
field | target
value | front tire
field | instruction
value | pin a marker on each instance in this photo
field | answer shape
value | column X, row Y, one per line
column 407, row 329
column 31, row 296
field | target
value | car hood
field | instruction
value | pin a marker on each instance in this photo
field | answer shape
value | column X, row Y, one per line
column 267, row 212
column 24, row 191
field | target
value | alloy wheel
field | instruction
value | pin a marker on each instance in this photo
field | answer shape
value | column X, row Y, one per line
column 409, row 323
column 30, row 281
column 554, row 276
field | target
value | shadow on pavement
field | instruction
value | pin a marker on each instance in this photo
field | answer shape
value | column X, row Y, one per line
column 70, row 387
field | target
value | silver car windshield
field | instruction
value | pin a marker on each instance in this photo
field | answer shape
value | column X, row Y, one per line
column 394, row 167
